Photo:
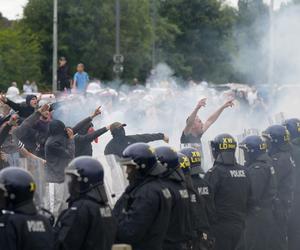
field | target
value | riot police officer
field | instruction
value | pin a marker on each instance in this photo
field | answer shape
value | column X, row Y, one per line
column 21, row 225
column 200, row 184
column 293, row 126
column 179, row 229
column 231, row 189
column 202, row 237
column 263, row 180
column 88, row 222
column 143, row 211
column 278, row 140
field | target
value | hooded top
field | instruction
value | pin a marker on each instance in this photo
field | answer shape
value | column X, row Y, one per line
column 24, row 110
column 59, row 151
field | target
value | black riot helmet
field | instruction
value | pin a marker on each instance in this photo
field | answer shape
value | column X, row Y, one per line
column 194, row 157
column 86, row 172
column 223, row 148
column 17, row 186
column 184, row 163
column 167, row 156
column 253, row 146
column 141, row 156
column 293, row 126
column 277, row 138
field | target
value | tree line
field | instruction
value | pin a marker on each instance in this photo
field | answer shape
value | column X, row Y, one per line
column 200, row 39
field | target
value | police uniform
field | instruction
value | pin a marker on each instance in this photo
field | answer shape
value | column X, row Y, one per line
column 143, row 214
column 260, row 216
column 25, row 229
column 231, row 190
column 86, row 224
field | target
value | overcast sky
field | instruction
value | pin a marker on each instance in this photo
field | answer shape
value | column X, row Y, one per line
column 13, row 9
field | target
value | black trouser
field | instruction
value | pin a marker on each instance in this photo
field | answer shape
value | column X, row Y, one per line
column 227, row 235
column 294, row 225
column 258, row 234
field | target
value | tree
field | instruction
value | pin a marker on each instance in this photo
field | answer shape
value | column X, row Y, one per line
column 19, row 56
column 87, row 34
column 204, row 45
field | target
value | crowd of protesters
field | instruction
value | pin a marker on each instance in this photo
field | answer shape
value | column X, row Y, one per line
column 170, row 201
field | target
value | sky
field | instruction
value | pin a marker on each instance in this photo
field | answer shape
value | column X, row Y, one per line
column 13, row 9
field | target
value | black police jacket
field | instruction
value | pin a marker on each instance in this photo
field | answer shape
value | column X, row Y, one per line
column 284, row 169
column 25, row 229
column 143, row 213
column 86, row 225
column 117, row 145
column 204, row 190
column 232, row 191
column 180, row 228
column 263, row 182
column 200, row 223
column 296, row 157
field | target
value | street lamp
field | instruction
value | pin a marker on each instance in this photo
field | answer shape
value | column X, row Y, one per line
column 54, row 52
column 118, row 57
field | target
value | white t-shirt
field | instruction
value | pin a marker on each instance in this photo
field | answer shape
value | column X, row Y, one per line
column 12, row 91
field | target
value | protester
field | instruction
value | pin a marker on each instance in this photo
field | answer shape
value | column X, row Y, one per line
column 59, row 151
column 13, row 90
column 120, row 140
column 86, row 135
column 81, row 79
column 27, row 89
column 63, row 75
column 34, row 87
column 88, row 222
column 24, row 110
column 195, row 128
column 22, row 227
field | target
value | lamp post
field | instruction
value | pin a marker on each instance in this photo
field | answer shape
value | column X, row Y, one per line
column 54, row 53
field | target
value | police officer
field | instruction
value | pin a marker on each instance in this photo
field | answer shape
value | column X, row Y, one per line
column 293, row 126
column 263, row 180
column 143, row 211
column 278, row 140
column 200, row 184
column 231, row 189
column 202, row 237
column 21, row 226
column 88, row 222
column 179, row 229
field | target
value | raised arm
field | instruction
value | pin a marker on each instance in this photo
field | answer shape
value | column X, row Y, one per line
column 193, row 115
column 211, row 120
column 86, row 121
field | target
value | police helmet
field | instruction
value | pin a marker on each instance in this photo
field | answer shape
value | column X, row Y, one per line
column 223, row 143
column 140, row 155
column 253, row 146
column 277, row 135
column 17, row 184
column 184, row 163
column 167, row 156
column 88, row 172
column 194, row 157
column 293, row 126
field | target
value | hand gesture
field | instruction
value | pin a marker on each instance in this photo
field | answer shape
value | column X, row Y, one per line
column 70, row 133
column 3, row 99
column 228, row 104
column 44, row 108
column 97, row 112
column 166, row 139
column 201, row 103
column 13, row 120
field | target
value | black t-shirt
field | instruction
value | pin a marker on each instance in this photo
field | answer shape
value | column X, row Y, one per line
column 190, row 138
